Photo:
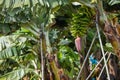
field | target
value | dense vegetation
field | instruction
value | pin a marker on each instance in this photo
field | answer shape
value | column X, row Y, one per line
column 59, row 39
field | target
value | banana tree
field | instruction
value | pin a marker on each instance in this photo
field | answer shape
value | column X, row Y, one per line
column 18, row 57
column 110, row 29
column 37, row 16
column 33, row 15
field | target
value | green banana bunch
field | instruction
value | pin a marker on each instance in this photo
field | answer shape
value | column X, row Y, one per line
column 80, row 21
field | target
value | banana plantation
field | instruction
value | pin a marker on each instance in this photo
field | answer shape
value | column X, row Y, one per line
column 59, row 39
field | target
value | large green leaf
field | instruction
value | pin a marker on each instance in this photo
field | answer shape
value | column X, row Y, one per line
column 11, row 45
column 11, row 40
column 113, row 2
column 31, row 3
column 17, row 74
column 17, row 12
column 8, row 52
column 4, row 28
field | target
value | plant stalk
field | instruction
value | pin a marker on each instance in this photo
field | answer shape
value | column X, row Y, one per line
column 86, row 57
column 103, row 67
column 95, row 67
column 101, row 46
column 42, row 56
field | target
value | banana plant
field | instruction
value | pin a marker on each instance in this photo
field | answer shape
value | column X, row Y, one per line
column 18, row 56
column 37, row 16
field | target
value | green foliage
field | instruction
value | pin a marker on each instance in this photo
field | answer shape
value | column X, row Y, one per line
column 113, row 2
column 64, row 42
column 31, row 3
column 8, row 52
column 17, row 13
column 81, row 21
column 17, row 52
column 108, row 47
column 68, row 60
column 17, row 74
column 26, row 19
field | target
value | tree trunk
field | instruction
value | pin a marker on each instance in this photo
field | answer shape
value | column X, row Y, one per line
column 85, row 71
column 111, row 28
column 113, row 68
column 113, row 36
